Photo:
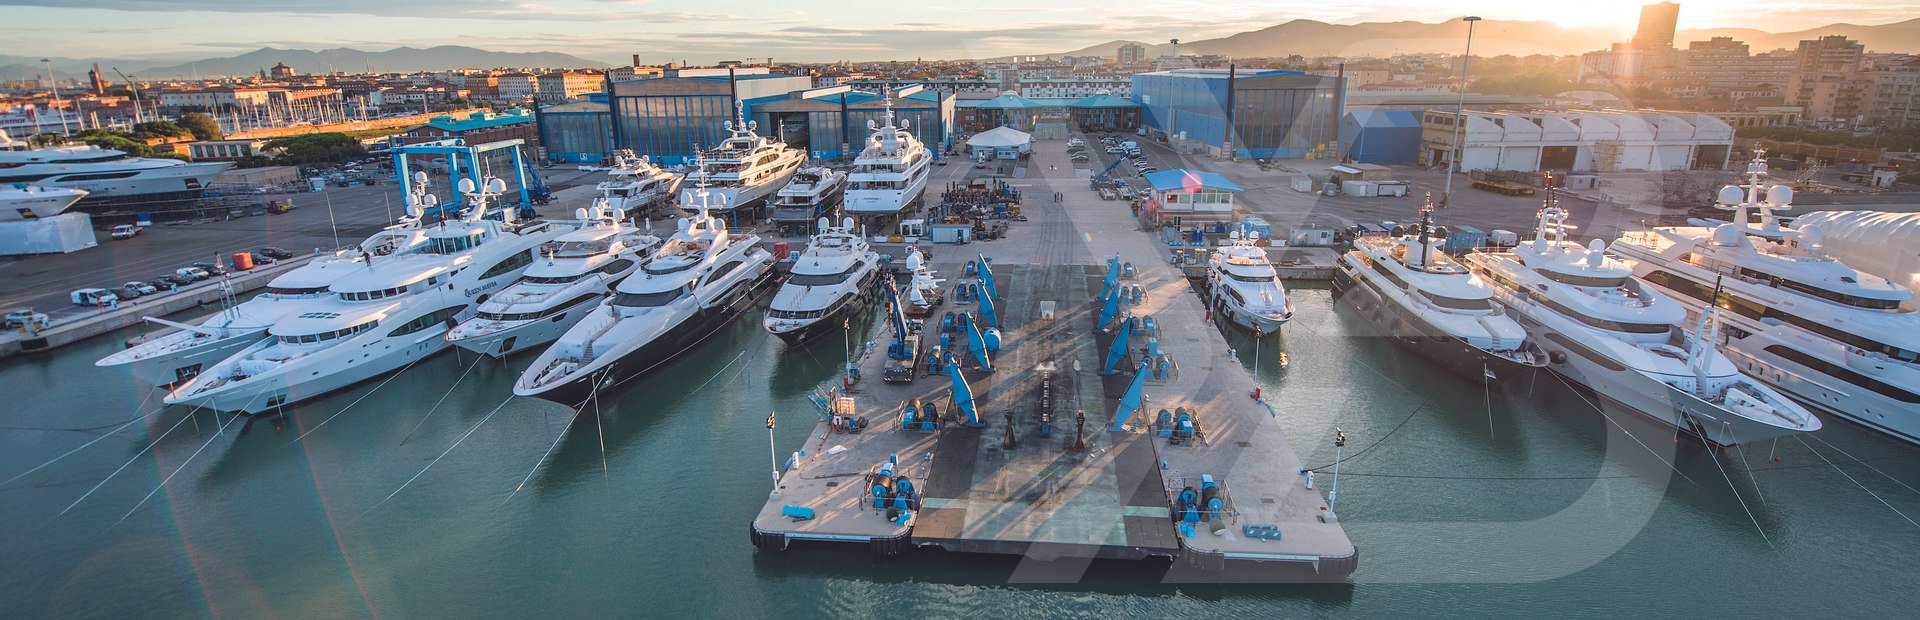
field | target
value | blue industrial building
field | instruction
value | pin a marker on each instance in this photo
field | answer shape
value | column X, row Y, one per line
column 668, row 118
column 1273, row 114
column 1380, row 136
column 577, row 131
column 831, row 122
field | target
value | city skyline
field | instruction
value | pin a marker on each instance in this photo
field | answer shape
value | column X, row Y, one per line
column 611, row 30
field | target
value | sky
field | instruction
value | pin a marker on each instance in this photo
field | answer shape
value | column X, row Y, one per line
column 798, row 30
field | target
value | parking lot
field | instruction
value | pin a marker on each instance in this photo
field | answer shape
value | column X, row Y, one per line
column 44, row 282
column 1270, row 195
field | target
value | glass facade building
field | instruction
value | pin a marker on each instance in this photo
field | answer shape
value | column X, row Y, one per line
column 831, row 122
column 580, row 131
column 1266, row 114
column 669, row 118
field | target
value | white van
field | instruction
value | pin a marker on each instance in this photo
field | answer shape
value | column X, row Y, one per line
column 94, row 297
column 124, row 231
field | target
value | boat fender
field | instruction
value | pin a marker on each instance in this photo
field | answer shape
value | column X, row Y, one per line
column 1557, row 357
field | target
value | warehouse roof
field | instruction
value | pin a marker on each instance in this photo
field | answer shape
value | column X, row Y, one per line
column 1008, row 101
column 1189, row 180
column 480, row 120
column 1103, row 100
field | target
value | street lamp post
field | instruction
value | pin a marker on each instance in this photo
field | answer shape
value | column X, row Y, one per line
column 1459, row 114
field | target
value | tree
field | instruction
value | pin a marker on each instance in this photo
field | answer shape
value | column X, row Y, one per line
column 317, row 148
column 116, row 142
column 159, row 129
column 201, row 126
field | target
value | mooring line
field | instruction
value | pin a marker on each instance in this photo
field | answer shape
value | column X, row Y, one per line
column 543, row 456
column 1623, row 429
column 1857, row 460
column 443, row 399
column 443, row 454
column 356, row 401
column 217, row 434
column 123, row 426
column 1715, row 455
column 136, row 457
column 1850, row 478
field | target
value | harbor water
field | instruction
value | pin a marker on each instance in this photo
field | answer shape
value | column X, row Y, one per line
column 431, row 493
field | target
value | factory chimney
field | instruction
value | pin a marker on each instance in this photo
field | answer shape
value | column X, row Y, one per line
column 636, row 60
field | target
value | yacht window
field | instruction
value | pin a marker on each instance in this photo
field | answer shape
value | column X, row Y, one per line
column 372, row 295
column 282, row 291
column 648, row 300
column 1750, row 309
column 1243, row 278
column 1844, row 374
column 552, row 279
column 617, row 266
column 1814, row 291
column 1600, row 323
column 1397, row 282
column 98, row 176
column 538, row 314
column 825, row 279
column 428, row 320
column 1590, row 281
column 326, row 336
column 1457, row 302
column 517, row 262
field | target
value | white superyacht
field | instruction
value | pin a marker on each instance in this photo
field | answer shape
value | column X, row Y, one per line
column 20, row 201
column 1428, row 303
column 810, row 194
column 380, row 318
column 1244, row 287
column 700, row 280
column 890, row 173
column 827, row 283
column 634, row 183
column 1838, row 339
column 1625, row 342
column 113, row 179
column 175, row 357
column 746, row 168
column 568, row 279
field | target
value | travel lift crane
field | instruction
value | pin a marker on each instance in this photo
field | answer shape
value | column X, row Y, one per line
column 464, row 162
column 1102, row 178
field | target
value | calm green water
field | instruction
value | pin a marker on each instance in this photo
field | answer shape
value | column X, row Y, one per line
column 1521, row 501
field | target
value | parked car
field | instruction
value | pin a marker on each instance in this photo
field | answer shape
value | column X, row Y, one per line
column 130, row 290
column 174, row 279
column 22, row 318
column 212, row 269
column 1114, row 150
column 145, row 288
column 193, row 274
column 125, row 231
column 158, row 284
column 276, row 253
column 93, row 297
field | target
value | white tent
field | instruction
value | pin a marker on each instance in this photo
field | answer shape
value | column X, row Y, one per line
column 1000, row 142
column 60, row 234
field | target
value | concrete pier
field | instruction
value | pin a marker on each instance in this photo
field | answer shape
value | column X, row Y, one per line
column 1041, row 495
column 71, row 327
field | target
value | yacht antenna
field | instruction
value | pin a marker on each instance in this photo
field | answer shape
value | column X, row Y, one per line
column 1426, row 229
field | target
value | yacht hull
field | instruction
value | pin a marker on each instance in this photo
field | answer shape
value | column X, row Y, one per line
column 830, row 322
column 526, row 335
column 1412, row 333
column 675, row 340
column 1612, row 382
column 369, row 360
column 179, row 366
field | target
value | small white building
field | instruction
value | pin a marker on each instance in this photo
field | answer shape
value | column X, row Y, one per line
column 1587, row 140
column 1000, row 143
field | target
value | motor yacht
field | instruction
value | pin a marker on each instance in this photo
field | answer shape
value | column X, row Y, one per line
column 1244, row 289
column 827, row 283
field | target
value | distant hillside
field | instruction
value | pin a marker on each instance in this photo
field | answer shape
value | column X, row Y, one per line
column 351, row 60
column 1491, row 37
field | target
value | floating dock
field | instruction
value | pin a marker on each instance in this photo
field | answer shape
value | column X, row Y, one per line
column 1019, row 481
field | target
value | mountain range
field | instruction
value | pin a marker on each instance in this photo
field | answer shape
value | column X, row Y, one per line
column 437, row 58
column 1491, row 37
